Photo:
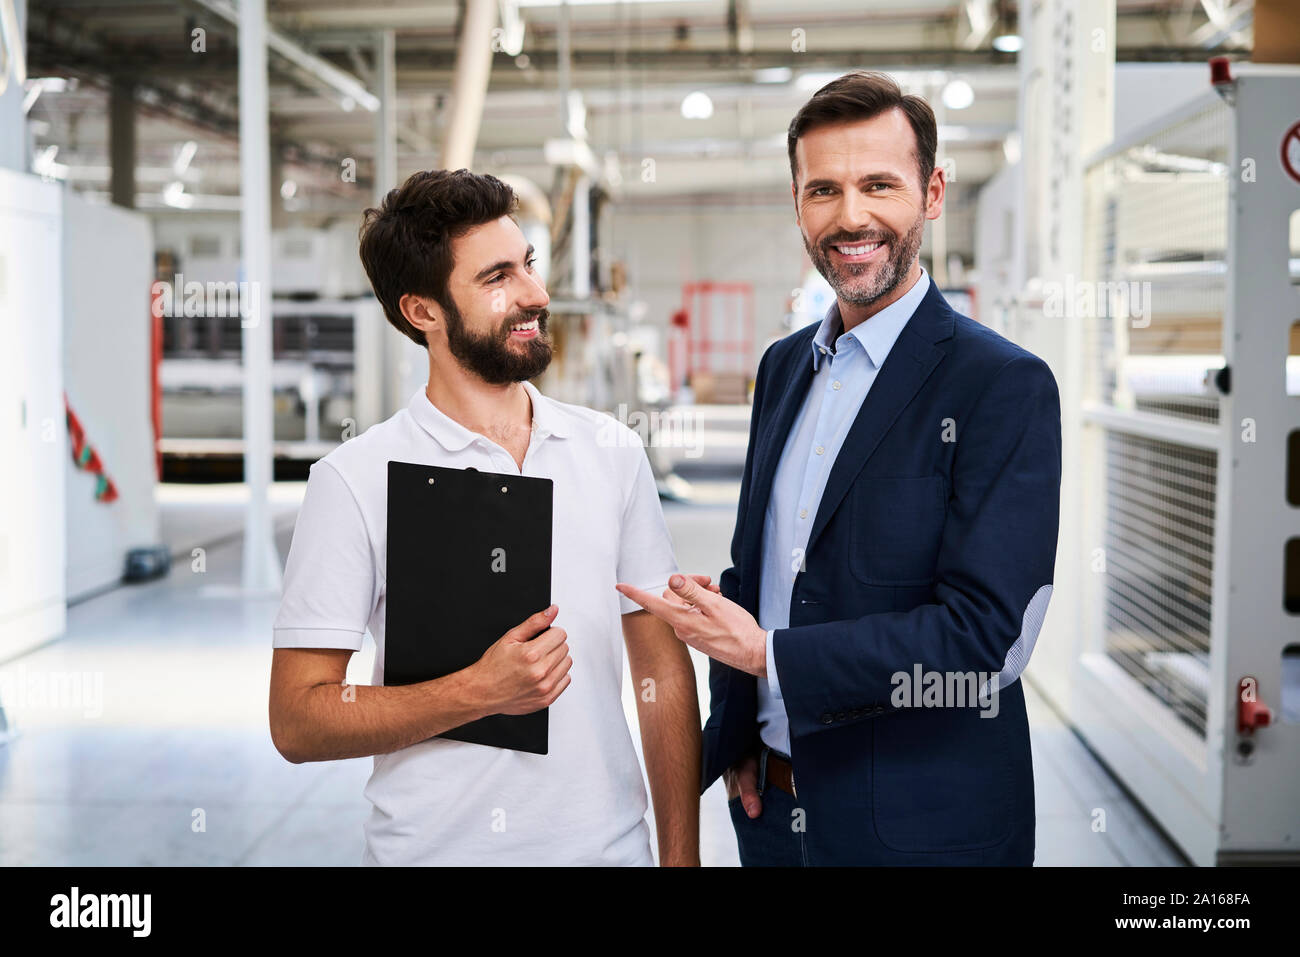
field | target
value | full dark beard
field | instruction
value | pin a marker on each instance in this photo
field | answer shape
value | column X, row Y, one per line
column 491, row 357
column 901, row 254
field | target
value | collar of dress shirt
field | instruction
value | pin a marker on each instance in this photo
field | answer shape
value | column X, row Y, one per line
column 451, row 435
column 877, row 334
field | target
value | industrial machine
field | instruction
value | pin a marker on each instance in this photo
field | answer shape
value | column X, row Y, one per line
column 1181, row 668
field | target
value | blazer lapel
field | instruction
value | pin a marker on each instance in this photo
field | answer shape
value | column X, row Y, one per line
column 766, row 460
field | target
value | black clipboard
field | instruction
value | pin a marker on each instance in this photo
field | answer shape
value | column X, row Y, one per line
column 469, row 558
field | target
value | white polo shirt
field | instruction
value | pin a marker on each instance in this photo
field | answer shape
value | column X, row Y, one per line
column 448, row 802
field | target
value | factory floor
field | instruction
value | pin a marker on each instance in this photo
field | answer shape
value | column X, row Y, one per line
column 173, row 763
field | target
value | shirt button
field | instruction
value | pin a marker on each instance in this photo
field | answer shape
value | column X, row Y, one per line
column 835, row 384
column 803, row 513
column 821, row 449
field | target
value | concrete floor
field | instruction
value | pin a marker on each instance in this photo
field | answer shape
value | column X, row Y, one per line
column 169, row 760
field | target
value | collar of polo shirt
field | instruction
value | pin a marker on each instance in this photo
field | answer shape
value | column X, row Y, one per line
column 451, row 435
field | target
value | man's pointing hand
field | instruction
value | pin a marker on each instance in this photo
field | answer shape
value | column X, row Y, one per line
column 708, row 622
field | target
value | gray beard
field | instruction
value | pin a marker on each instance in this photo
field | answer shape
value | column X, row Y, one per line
column 889, row 275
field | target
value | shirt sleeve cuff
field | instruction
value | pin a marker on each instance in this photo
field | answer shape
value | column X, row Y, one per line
column 773, row 682
column 317, row 638
column 627, row 605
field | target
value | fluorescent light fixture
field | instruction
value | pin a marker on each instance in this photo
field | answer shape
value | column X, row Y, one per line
column 44, row 166
column 1007, row 43
column 183, row 157
column 697, row 106
column 958, row 95
column 174, row 195
column 775, row 74
column 38, row 85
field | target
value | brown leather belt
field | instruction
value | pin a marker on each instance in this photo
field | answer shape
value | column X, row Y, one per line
column 781, row 773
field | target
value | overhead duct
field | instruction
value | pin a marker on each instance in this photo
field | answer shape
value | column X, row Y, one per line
column 473, row 70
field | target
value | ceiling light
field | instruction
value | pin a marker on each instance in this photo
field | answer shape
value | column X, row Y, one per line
column 697, row 106
column 775, row 74
column 1007, row 43
column 958, row 95
column 44, row 166
column 174, row 195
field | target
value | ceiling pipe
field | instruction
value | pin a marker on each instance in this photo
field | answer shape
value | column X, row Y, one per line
column 473, row 70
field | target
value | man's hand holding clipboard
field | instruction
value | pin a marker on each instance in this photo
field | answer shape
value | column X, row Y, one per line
column 521, row 673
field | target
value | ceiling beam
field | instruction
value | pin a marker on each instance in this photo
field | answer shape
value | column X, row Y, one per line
column 347, row 86
column 56, row 49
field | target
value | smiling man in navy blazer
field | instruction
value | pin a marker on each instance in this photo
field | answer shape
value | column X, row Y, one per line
column 895, row 539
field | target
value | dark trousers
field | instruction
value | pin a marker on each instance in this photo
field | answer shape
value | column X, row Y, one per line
column 776, row 838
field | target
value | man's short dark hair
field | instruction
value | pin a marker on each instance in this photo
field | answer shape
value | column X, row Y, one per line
column 860, row 96
column 406, row 242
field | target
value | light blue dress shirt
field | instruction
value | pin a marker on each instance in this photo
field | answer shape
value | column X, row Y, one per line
column 842, row 376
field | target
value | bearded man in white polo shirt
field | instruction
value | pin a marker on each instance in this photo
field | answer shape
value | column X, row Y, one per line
column 455, row 273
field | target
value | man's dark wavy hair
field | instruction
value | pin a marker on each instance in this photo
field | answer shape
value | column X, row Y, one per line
column 406, row 242
column 860, row 96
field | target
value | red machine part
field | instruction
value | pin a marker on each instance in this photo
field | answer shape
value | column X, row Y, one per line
column 86, row 458
column 719, row 325
column 678, row 331
column 1251, row 712
column 1220, row 70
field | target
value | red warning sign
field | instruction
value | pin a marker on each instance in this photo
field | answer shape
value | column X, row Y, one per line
column 1291, row 152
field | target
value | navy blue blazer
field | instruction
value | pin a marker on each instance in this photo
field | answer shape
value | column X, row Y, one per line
column 937, row 527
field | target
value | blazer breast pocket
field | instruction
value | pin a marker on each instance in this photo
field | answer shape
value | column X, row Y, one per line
column 897, row 529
